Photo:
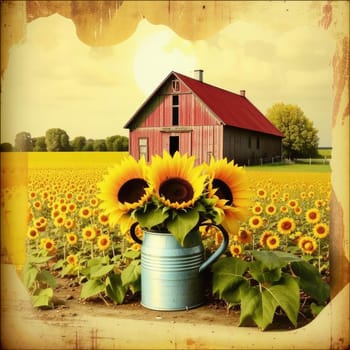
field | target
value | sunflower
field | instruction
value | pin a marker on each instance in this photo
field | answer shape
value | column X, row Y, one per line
column 273, row 242
column 124, row 189
column 270, row 209
column 72, row 238
column 298, row 210
column 286, row 225
column 85, row 212
column 89, row 233
column 235, row 249
column 103, row 219
column 103, row 242
column 293, row 203
column 32, row 233
column 72, row 207
column 244, row 236
column 40, row 224
column 261, row 193
column 228, row 184
column 72, row 259
column 307, row 244
column 59, row 220
column 263, row 238
column 69, row 223
column 176, row 181
column 255, row 221
column 49, row 244
column 257, row 209
column 313, row 216
column 320, row 230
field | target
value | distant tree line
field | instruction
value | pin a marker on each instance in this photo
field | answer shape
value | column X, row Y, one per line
column 57, row 140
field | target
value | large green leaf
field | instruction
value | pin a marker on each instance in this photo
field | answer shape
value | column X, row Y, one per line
column 311, row 281
column 262, row 274
column 153, row 216
column 91, row 288
column 115, row 289
column 46, row 277
column 228, row 276
column 182, row 224
column 29, row 275
column 100, row 270
column 42, row 298
column 259, row 303
column 131, row 273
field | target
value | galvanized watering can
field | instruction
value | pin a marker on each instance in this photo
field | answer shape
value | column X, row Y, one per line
column 172, row 275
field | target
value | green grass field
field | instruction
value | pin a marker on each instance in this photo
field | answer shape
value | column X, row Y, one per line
column 291, row 168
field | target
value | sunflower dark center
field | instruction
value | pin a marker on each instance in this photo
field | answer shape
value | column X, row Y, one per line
column 176, row 190
column 132, row 191
column 223, row 191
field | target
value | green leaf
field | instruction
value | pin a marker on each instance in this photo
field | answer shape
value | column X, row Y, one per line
column 151, row 217
column 92, row 288
column 100, row 271
column 268, row 259
column 131, row 273
column 259, row 303
column 39, row 259
column 182, row 224
column 311, row 281
column 115, row 289
column 59, row 264
column 132, row 254
column 262, row 274
column 67, row 270
column 43, row 298
column 228, row 276
column 316, row 309
column 29, row 276
column 46, row 277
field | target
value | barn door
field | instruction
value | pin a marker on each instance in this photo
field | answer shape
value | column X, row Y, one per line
column 177, row 142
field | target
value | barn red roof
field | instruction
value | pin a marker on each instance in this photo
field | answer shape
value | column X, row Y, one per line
column 232, row 109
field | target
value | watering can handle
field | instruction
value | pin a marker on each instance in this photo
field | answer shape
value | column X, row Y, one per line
column 212, row 257
column 219, row 251
column 133, row 233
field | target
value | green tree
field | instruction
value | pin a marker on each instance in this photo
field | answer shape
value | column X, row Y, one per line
column 89, row 146
column 78, row 143
column 300, row 136
column 57, row 140
column 39, row 144
column 23, row 142
column 117, row 143
column 6, row 147
column 99, row 146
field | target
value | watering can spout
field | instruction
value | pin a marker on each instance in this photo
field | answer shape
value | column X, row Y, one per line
column 219, row 251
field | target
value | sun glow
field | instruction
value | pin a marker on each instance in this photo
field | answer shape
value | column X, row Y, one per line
column 158, row 55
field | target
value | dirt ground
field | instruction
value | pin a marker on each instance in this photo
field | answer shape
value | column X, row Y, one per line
column 68, row 304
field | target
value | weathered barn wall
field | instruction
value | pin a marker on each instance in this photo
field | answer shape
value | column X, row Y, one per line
column 247, row 147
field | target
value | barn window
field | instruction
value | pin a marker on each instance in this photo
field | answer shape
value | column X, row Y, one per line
column 176, row 85
column 257, row 142
column 173, row 144
column 175, row 110
column 143, row 147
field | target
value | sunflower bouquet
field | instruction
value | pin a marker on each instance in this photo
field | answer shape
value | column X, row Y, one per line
column 173, row 195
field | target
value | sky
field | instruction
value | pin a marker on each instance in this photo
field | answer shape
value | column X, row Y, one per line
column 54, row 80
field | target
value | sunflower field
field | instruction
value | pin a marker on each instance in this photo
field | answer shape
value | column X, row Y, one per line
column 69, row 237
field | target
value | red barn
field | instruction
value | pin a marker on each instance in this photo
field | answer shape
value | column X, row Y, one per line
column 187, row 115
